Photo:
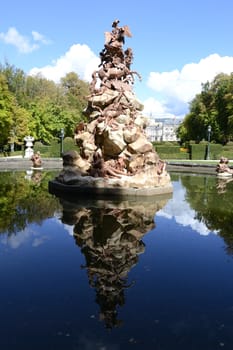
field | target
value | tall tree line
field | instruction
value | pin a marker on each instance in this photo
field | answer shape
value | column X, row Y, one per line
column 212, row 107
column 36, row 106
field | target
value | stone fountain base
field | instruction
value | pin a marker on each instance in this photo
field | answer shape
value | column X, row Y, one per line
column 57, row 188
column 147, row 184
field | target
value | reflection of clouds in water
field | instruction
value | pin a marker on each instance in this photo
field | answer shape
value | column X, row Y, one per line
column 87, row 342
column 29, row 235
column 69, row 229
column 179, row 209
column 16, row 240
column 38, row 241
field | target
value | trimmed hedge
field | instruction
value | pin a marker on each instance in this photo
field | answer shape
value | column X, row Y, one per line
column 161, row 149
column 171, row 152
column 54, row 149
column 227, row 150
column 194, row 151
column 215, row 150
column 174, row 156
column 197, row 151
column 165, row 150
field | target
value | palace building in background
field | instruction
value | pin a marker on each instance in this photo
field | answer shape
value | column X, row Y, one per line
column 162, row 129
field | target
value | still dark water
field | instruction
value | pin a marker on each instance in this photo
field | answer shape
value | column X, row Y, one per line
column 104, row 275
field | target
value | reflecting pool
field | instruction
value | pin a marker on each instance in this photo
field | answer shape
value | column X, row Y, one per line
column 112, row 275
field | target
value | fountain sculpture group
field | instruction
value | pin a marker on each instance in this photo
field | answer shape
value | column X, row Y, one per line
column 115, row 157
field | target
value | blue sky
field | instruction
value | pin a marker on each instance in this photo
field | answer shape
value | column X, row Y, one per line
column 177, row 45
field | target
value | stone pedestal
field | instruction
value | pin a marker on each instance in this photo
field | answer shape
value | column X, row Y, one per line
column 29, row 144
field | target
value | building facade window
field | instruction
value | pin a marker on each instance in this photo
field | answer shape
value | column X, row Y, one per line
column 164, row 130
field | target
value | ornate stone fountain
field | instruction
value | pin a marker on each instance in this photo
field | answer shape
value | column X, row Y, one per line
column 115, row 157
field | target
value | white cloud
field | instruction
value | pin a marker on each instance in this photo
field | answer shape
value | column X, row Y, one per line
column 172, row 90
column 23, row 43
column 79, row 58
column 39, row 37
column 156, row 109
column 151, row 105
column 178, row 88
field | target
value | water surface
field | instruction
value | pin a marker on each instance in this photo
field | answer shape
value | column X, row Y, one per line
column 105, row 275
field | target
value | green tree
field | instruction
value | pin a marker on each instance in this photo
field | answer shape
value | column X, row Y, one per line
column 38, row 106
column 213, row 106
column 20, row 125
column 15, row 78
column 76, row 91
column 6, row 108
column 38, row 88
column 223, row 89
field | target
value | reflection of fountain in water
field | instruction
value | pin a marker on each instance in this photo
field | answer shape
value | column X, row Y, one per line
column 222, row 184
column 33, row 175
column 110, row 237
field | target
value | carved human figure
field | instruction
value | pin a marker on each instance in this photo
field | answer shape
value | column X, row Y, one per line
column 223, row 166
column 117, row 37
column 110, row 168
column 161, row 167
column 36, row 160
